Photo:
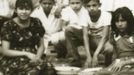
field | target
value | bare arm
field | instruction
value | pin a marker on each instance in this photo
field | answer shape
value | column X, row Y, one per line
column 86, row 41
column 40, row 50
column 63, row 24
column 87, row 48
column 117, row 65
column 100, row 46
column 103, row 40
column 8, row 52
column 129, row 61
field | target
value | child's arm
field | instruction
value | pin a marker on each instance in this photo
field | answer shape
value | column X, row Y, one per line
column 118, row 64
column 87, row 48
column 6, row 51
column 103, row 40
column 63, row 23
column 101, row 44
column 40, row 50
column 128, row 61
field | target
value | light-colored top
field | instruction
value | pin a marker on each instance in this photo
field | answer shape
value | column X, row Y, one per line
column 73, row 18
column 7, row 8
column 96, row 28
column 50, row 23
column 124, row 45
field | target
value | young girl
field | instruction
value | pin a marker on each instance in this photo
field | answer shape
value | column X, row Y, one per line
column 123, row 40
column 22, row 43
column 123, row 31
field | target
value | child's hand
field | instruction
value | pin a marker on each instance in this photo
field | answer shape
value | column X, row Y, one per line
column 88, row 62
column 116, row 66
column 31, row 56
column 36, row 61
column 58, row 12
column 94, row 61
column 54, row 39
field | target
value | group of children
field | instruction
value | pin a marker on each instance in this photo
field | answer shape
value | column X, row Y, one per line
column 89, row 27
column 81, row 22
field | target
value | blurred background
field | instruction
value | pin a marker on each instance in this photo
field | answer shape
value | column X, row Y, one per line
column 111, row 5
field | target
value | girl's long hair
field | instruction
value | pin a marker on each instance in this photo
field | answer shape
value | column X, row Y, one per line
column 126, row 15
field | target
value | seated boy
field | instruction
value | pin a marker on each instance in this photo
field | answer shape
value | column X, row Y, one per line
column 94, row 35
column 99, row 22
column 54, row 34
column 74, row 19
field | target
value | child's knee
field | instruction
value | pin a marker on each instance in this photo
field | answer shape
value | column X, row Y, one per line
column 108, row 48
column 69, row 32
column 1, row 73
column 68, row 29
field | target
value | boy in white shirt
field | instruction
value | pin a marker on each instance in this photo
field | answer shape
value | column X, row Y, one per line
column 98, row 33
column 74, row 19
column 90, row 29
column 46, row 13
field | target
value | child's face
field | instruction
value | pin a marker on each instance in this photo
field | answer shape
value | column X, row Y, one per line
column 121, row 24
column 75, row 4
column 47, row 5
column 93, row 7
column 23, row 13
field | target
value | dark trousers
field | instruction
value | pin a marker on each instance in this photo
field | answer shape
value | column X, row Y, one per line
column 74, row 38
column 61, row 49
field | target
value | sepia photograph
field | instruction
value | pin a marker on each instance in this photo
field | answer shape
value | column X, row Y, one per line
column 66, row 37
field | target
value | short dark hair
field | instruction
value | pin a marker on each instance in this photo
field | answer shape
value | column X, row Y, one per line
column 42, row 0
column 127, row 15
column 24, row 4
column 87, row 1
column 80, row 0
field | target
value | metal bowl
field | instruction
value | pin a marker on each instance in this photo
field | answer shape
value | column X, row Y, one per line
column 67, row 70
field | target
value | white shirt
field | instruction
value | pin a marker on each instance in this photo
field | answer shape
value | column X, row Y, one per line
column 7, row 8
column 77, row 19
column 50, row 23
column 97, row 27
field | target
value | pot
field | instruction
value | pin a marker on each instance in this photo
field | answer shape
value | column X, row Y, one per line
column 67, row 70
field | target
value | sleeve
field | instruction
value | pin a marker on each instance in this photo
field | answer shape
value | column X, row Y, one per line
column 65, row 15
column 37, row 12
column 34, row 13
column 6, row 32
column 107, row 20
column 40, row 29
column 84, row 19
